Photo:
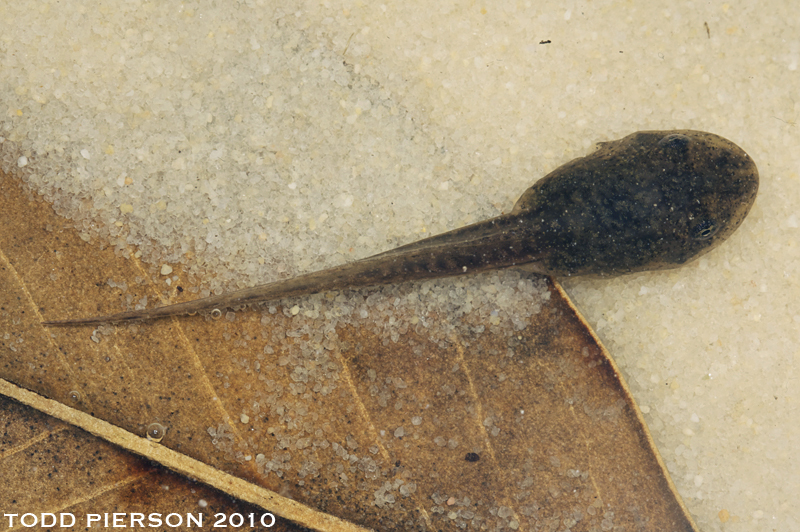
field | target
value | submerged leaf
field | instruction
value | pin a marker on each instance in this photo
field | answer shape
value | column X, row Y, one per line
column 390, row 408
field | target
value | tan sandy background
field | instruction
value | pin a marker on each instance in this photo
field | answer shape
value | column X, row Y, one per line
column 254, row 141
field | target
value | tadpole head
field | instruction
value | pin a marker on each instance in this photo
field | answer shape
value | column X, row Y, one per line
column 652, row 200
column 710, row 184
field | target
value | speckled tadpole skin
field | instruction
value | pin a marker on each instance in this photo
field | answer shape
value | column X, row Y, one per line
column 652, row 200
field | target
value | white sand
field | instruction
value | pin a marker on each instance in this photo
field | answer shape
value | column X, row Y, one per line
column 235, row 140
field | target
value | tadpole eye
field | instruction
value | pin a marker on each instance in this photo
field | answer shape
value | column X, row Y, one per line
column 674, row 141
column 704, row 230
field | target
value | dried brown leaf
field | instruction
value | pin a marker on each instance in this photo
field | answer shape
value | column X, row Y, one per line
column 529, row 430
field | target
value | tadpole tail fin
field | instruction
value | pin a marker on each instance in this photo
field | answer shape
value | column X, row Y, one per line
column 501, row 242
column 129, row 316
column 111, row 318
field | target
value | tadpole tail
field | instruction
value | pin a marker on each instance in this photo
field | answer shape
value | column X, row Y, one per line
column 129, row 316
column 187, row 307
column 489, row 245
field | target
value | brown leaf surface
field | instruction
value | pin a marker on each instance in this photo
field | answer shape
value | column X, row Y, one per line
column 49, row 466
column 532, row 431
